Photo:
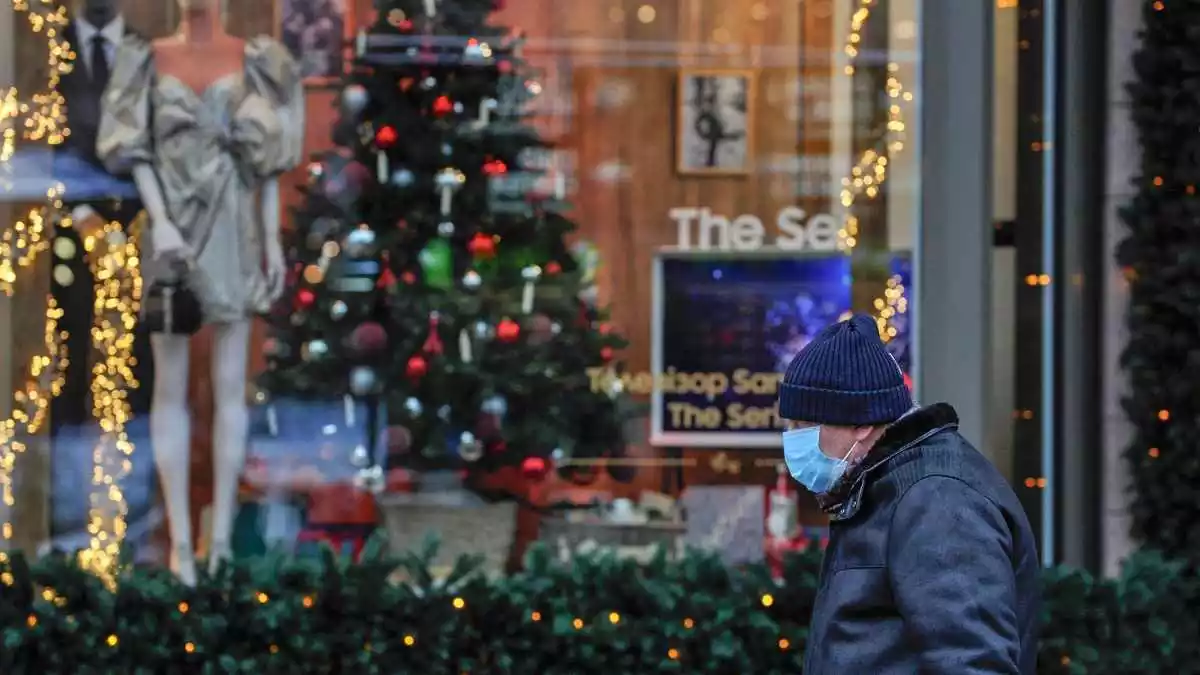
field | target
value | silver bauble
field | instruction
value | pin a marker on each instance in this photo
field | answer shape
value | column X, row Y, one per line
column 444, row 413
column 315, row 350
column 402, row 178
column 446, row 228
column 360, row 243
column 355, row 99
column 469, row 447
column 338, row 310
column 473, row 52
column 362, row 380
column 360, row 458
column 471, row 280
column 413, row 406
column 495, row 405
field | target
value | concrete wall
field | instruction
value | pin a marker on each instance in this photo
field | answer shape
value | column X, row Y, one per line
column 1124, row 23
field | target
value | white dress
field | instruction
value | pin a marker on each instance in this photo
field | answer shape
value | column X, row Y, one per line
column 212, row 152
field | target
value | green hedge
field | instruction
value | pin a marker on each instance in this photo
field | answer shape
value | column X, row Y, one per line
column 1160, row 256
column 598, row 615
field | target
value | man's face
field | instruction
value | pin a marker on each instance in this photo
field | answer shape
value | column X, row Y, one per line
column 837, row 442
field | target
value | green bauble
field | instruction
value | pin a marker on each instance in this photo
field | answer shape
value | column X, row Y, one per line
column 514, row 260
column 437, row 264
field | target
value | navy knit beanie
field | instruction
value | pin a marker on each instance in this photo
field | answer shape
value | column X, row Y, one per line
column 845, row 377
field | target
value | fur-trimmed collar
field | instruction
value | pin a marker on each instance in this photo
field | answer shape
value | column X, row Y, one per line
column 895, row 438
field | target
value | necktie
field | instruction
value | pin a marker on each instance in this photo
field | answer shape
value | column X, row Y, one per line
column 100, row 71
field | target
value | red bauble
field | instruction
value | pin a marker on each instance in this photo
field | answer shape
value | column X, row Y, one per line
column 605, row 328
column 416, row 367
column 368, row 339
column 541, row 329
column 553, row 267
column 494, row 167
column 305, row 297
column 482, row 246
column 487, row 426
column 386, row 279
column 398, row 439
column 535, row 468
column 508, row 331
column 606, row 354
column 386, row 137
column 505, row 67
column 408, row 278
column 442, row 106
column 398, row 480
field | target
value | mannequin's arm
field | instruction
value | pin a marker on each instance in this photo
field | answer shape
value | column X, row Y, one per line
column 151, row 194
column 276, row 267
column 270, row 212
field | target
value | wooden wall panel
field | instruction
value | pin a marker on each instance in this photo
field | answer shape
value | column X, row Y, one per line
column 623, row 115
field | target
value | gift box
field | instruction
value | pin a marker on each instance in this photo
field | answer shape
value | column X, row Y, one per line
column 312, row 471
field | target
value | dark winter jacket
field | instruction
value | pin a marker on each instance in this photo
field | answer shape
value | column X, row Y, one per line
column 931, row 567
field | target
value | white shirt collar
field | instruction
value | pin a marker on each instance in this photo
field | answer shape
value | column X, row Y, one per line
column 113, row 32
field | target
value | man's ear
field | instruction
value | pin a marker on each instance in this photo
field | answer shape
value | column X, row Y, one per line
column 861, row 434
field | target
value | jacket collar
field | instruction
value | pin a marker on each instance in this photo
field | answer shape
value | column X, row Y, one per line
column 844, row 499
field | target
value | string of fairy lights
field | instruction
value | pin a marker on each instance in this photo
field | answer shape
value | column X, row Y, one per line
column 870, row 172
column 113, row 258
column 118, row 293
column 38, row 118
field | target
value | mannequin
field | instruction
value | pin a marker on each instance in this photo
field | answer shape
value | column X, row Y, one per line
column 216, row 67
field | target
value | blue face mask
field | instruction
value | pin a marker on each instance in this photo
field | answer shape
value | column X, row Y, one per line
column 808, row 465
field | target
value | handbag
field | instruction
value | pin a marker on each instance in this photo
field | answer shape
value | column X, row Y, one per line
column 171, row 308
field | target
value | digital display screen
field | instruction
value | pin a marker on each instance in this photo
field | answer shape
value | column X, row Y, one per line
column 727, row 327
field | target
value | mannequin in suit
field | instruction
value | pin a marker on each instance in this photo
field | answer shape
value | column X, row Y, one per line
column 94, row 33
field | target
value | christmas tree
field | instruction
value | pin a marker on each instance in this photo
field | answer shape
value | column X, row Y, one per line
column 430, row 267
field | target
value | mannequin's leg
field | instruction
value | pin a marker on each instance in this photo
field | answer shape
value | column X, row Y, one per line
column 170, row 434
column 230, row 428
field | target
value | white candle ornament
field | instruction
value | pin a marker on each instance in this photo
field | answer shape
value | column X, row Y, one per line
column 448, row 181
column 531, row 274
column 464, row 346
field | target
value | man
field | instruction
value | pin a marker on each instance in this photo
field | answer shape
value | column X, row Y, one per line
column 931, row 566
column 93, row 197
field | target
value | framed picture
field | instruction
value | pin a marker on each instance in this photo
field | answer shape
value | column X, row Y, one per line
column 714, row 122
column 317, row 32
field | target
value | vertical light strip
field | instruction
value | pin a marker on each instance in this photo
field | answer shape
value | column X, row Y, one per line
column 118, row 293
column 1049, row 229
